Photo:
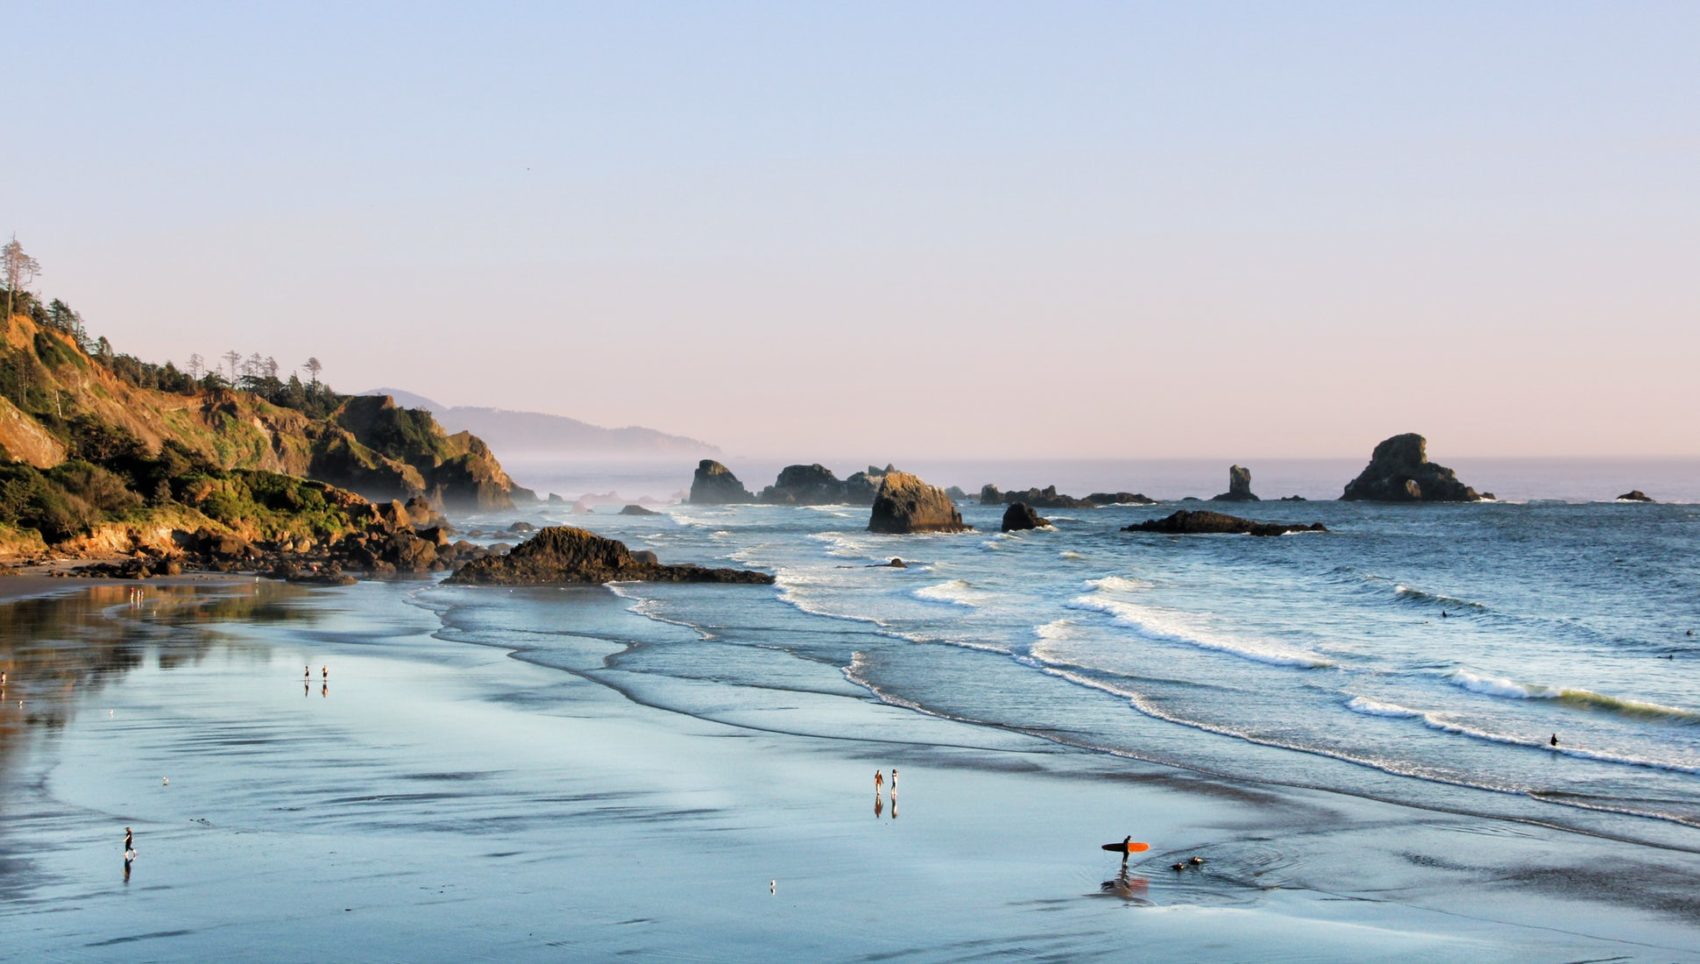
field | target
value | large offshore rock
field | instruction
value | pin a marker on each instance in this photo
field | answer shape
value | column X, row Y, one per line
column 1399, row 471
column 1020, row 516
column 1239, row 486
column 906, row 504
column 714, row 484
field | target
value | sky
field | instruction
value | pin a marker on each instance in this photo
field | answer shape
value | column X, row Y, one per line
column 1115, row 230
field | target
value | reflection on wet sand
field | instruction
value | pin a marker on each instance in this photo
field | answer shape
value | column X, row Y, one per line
column 54, row 649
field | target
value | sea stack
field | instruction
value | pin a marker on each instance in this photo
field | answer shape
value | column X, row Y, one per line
column 714, row 484
column 1239, row 486
column 1399, row 471
column 905, row 504
column 1020, row 516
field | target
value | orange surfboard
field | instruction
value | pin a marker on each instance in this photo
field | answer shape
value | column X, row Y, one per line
column 1131, row 847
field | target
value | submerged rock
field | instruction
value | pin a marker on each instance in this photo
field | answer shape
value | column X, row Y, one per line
column 905, row 504
column 1021, row 516
column 1634, row 495
column 1202, row 522
column 1239, row 486
column 1399, row 471
column 714, row 484
column 561, row 555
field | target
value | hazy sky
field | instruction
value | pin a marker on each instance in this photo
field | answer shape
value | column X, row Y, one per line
column 802, row 229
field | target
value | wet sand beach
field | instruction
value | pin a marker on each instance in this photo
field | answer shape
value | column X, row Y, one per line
column 436, row 799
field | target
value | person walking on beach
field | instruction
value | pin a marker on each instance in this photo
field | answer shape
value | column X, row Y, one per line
column 306, row 672
column 894, row 781
column 879, row 782
column 129, row 845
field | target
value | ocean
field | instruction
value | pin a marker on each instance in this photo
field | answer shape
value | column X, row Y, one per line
column 1428, row 654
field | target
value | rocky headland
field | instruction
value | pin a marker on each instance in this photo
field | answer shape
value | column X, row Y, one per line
column 1202, row 522
column 1399, row 471
column 905, row 504
column 563, row 555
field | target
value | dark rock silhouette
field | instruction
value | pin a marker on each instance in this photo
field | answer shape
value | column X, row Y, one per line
column 816, row 485
column 1634, row 495
column 1045, row 498
column 637, row 510
column 1020, row 516
column 1209, row 523
column 714, row 484
column 1399, row 471
column 1239, row 486
column 564, row 555
column 906, row 504
column 1120, row 498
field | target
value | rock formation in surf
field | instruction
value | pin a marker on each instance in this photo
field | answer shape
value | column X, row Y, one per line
column 1201, row 522
column 1021, row 516
column 637, row 510
column 714, row 484
column 561, row 555
column 1120, row 498
column 1399, row 471
column 1045, row 498
column 1239, row 486
column 816, row 485
column 1634, row 495
column 906, row 504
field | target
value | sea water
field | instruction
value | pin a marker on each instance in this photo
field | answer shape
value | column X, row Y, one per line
column 1426, row 654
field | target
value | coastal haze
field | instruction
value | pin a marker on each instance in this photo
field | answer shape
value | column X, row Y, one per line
column 1262, row 435
column 1095, row 230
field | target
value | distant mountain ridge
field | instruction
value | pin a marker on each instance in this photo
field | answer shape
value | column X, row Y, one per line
column 514, row 433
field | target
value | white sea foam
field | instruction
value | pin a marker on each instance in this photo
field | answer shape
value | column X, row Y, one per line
column 808, row 589
column 1117, row 584
column 1168, row 627
column 1586, row 699
column 1369, row 707
column 1070, row 555
column 1448, row 724
column 956, row 592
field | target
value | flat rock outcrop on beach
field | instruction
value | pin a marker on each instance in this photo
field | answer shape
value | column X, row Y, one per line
column 1634, row 495
column 1399, row 471
column 563, row 555
column 1021, row 516
column 906, row 504
column 1201, row 522
column 714, row 484
column 1239, row 486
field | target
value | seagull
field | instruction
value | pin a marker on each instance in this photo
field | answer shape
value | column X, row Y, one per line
column 773, row 886
column 165, row 781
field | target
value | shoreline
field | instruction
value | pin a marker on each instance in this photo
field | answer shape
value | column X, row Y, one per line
column 512, row 775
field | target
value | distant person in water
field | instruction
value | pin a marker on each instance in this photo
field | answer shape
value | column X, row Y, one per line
column 1555, row 739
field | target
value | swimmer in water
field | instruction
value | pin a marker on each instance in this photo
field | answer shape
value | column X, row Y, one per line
column 1555, row 739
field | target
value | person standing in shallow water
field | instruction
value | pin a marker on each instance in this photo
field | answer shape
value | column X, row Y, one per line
column 879, row 781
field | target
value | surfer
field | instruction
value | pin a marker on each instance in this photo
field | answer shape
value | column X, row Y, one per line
column 1554, row 740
